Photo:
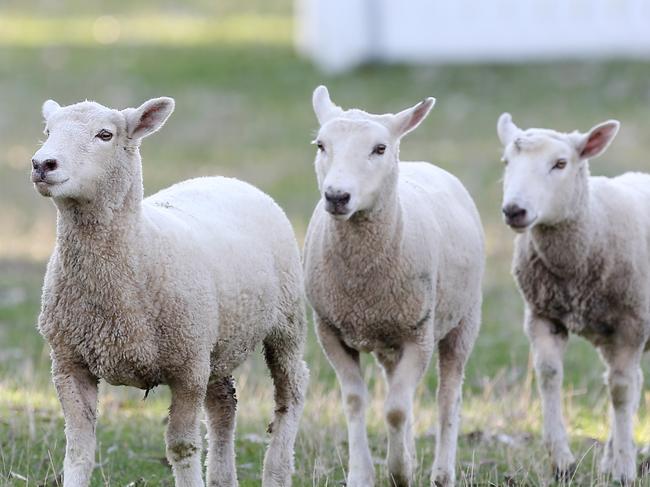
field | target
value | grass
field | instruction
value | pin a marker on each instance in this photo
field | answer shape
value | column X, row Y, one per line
column 145, row 29
column 243, row 109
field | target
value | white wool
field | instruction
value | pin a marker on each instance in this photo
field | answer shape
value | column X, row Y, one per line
column 177, row 289
column 582, row 263
column 393, row 265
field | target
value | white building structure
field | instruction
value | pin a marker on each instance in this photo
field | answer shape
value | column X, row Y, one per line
column 341, row 34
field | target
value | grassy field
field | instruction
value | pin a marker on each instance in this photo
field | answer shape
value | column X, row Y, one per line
column 243, row 109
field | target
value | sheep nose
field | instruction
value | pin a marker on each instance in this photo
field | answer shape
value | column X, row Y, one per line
column 337, row 202
column 515, row 215
column 40, row 169
column 337, row 198
column 44, row 166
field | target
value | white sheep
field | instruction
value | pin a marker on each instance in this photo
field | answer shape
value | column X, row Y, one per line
column 393, row 265
column 175, row 289
column 581, row 262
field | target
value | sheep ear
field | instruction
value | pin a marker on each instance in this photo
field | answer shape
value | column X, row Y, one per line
column 506, row 129
column 149, row 117
column 324, row 108
column 407, row 120
column 49, row 107
column 596, row 141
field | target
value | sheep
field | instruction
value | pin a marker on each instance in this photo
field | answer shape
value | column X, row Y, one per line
column 581, row 262
column 393, row 262
column 175, row 289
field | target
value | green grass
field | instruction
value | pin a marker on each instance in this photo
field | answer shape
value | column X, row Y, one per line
column 243, row 109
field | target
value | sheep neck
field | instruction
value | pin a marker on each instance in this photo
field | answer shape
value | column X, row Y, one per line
column 368, row 241
column 564, row 247
column 103, row 227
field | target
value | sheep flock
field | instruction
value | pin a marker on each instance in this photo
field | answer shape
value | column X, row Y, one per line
column 179, row 288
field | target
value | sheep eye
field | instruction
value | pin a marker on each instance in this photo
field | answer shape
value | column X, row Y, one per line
column 104, row 135
column 560, row 164
column 47, row 132
column 505, row 161
column 379, row 149
column 320, row 146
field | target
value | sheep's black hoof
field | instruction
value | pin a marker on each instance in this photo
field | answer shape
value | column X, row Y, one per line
column 564, row 475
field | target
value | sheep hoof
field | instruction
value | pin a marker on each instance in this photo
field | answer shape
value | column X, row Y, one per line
column 442, row 479
column 564, row 474
column 622, row 468
column 625, row 475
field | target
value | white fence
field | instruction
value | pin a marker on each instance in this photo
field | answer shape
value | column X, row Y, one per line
column 340, row 34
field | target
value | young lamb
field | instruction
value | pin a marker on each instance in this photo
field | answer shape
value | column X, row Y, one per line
column 393, row 265
column 582, row 263
column 175, row 289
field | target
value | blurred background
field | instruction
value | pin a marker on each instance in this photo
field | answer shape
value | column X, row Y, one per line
column 242, row 73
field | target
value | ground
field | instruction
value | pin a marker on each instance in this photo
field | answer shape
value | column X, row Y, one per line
column 243, row 109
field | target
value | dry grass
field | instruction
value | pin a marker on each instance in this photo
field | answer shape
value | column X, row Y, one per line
column 499, row 444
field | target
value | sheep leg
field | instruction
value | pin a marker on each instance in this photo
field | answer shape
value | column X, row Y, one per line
column 183, row 432
column 403, row 377
column 548, row 343
column 345, row 361
column 624, row 379
column 77, row 391
column 220, row 408
column 283, row 351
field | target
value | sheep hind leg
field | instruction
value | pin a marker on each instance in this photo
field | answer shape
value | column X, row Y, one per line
column 283, row 351
column 220, row 408
column 453, row 352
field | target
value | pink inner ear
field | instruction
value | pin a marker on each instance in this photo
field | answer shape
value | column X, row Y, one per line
column 415, row 117
column 149, row 117
column 597, row 141
column 418, row 114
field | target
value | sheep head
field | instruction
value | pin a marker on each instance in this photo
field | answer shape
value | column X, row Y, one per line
column 546, row 171
column 358, row 153
column 91, row 148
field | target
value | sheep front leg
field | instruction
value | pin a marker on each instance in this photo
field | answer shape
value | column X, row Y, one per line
column 403, row 378
column 624, row 379
column 345, row 361
column 76, row 388
column 548, row 342
column 453, row 352
column 183, row 438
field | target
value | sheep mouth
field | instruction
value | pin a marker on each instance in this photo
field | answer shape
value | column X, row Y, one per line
column 47, row 182
column 519, row 227
column 337, row 210
column 520, row 223
column 43, row 186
